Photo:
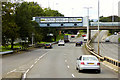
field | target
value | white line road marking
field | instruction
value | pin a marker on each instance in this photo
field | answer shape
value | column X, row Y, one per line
column 27, row 71
column 36, row 60
column 116, row 45
column 73, row 75
column 68, row 66
column 31, row 66
column 65, row 60
column 109, row 67
column 40, row 57
column 12, row 71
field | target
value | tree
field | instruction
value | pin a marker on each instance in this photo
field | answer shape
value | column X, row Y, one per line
column 49, row 12
column 23, row 20
column 109, row 19
column 10, row 28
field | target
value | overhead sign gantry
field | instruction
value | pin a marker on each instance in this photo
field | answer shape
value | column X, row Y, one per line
column 59, row 21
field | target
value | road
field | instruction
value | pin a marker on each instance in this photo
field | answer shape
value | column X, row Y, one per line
column 109, row 49
column 60, row 62
column 12, row 62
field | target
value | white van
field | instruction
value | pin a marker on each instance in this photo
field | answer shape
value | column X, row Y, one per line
column 85, row 38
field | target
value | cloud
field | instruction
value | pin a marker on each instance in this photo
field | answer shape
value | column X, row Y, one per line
column 76, row 7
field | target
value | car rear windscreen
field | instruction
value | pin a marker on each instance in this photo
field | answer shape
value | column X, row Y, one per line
column 90, row 59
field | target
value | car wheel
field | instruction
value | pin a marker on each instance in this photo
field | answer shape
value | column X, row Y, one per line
column 76, row 68
column 79, row 70
column 98, row 71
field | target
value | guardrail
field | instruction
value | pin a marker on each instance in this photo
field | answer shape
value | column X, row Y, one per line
column 92, row 51
column 102, row 58
column 112, row 61
column 6, row 52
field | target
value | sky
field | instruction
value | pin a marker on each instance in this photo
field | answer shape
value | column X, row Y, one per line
column 76, row 8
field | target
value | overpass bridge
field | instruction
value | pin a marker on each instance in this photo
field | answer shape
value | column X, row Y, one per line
column 74, row 23
column 91, row 28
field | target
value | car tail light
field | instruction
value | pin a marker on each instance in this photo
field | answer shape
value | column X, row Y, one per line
column 98, row 64
column 82, row 63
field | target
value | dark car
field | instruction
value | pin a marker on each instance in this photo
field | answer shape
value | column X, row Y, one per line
column 79, row 43
column 72, row 36
column 48, row 45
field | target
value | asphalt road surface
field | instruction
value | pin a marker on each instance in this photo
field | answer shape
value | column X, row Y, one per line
column 109, row 49
column 60, row 62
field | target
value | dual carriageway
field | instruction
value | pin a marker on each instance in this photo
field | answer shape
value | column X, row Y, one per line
column 60, row 62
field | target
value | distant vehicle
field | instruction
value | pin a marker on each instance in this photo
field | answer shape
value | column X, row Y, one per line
column 88, row 62
column 115, row 33
column 72, row 36
column 66, row 38
column 107, row 39
column 48, row 45
column 79, row 43
column 118, row 32
column 84, row 35
column 85, row 38
column 61, row 43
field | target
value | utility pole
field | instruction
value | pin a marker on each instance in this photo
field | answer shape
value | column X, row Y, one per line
column 98, row 31
column 33, row 38
column 87, row 22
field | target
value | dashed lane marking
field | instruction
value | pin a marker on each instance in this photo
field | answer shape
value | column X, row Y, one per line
column 36, row 60
column 73, row 75
column 68, row 66
column 65, row 60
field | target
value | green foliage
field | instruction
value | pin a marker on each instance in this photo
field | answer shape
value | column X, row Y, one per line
column 17, row 22
column 9, row 26
column 61, row 36
column 49, row 12
column 119, row 40
column 109, row 19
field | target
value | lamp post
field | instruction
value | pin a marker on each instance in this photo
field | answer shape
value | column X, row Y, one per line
column 87, row 22
column 33, row 38
column 98, row 31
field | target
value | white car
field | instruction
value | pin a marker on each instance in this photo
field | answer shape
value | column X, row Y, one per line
column 61, row 43
column 88, row 62
column 115, row 33
column 107, row 39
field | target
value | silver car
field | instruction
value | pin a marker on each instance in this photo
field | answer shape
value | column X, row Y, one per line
column 107, row 39
column 88, row 62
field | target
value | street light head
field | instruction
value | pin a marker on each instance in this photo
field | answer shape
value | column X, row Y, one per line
column 87, row 7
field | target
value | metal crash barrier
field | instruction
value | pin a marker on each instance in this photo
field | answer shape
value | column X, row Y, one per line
column 112, row 61
column 102, row 58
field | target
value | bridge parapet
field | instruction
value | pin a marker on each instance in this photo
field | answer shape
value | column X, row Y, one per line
column 105, row 24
